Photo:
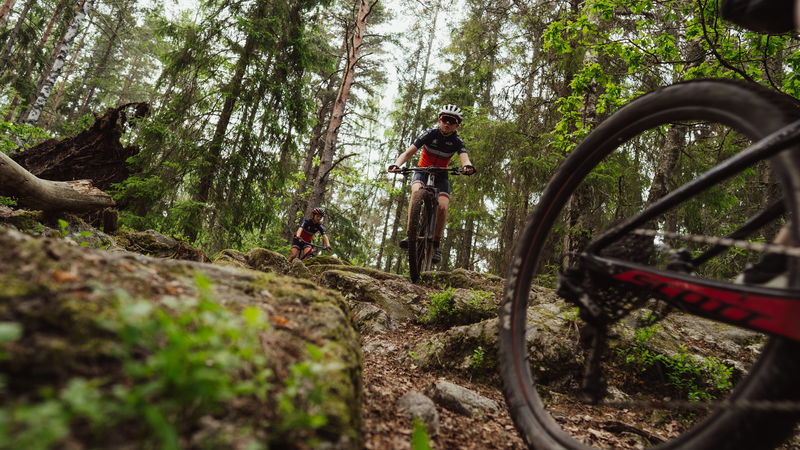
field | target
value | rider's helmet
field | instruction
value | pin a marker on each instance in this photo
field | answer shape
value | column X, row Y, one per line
column 319, row 211
column 451, row 110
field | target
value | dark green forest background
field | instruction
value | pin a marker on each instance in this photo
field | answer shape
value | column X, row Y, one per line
column 263, row 109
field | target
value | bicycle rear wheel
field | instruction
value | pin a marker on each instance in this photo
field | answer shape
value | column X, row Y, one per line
column 420, row 239
column 547, row 412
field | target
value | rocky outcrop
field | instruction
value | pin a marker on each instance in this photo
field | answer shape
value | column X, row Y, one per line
column 73, row 308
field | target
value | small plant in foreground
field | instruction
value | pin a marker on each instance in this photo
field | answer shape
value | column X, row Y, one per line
column 698, row 378
column 442, row 306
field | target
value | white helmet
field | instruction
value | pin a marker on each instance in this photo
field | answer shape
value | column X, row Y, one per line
column 451, row 110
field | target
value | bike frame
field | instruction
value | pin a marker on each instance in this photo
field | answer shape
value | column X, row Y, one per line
column 770, row 310
column 314, row 248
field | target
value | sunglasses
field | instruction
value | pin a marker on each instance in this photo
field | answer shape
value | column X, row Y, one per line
column 448, row 120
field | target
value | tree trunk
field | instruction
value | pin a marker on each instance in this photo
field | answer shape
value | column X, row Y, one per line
column 402, row 199
column 212, row 160
column 63, row 51
column 299, row 205
column 35, row 193
column 465, row 250
column 5, row 10
column 337, row 115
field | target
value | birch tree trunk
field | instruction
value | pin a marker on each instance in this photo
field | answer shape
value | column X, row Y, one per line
column 63, row 52
column 337, row 115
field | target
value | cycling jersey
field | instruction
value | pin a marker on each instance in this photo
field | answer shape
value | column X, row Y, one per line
column 437, row 149
column 308, row 229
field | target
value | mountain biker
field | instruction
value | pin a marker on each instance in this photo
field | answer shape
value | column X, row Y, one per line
column 301, row 241
column 765, row 16
column 438, row 145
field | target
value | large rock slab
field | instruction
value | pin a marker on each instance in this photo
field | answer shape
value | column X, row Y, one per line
column 399, row 299
column 61, row 307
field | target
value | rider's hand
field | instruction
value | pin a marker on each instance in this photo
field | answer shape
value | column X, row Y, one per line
column 468, row 170
column 329, row 248
column 394, row 168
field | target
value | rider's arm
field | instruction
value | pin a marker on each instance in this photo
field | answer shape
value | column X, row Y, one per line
column 405, row 156
column 298, row 233
column 464, row 157
column 326, row 241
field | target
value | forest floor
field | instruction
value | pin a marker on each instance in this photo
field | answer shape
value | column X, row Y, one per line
column 388, row 375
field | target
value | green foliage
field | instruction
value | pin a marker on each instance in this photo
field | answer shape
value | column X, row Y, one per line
column 697, row 378
column 63, row 227
column 442, row 306
column 477, row 360
column 299, row 403
column 15, row 136
column 419, row 436
column 7, row 201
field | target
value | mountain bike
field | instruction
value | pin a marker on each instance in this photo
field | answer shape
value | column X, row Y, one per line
column 628, row 260
column 313, row 252
column 422, row 219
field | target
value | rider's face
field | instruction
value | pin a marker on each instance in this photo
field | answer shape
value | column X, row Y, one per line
column 448, row 124
column 317, row 218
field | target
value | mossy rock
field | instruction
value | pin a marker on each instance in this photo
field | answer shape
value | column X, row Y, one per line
column 461, row 278
column 25, row 221
column 325, row 259
column 373, row 273
column 153, row 243
column 398, row 298
column 299, row 270
column 461, row 307
column 232, row 258
column 551, row 339
column 267, row 261
column 63, row 297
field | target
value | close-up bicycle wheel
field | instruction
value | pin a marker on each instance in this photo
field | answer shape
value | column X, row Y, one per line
column 420, row 233
column 664, row 378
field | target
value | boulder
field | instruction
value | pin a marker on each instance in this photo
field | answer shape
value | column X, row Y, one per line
column 398, row 298
column 267, row 261
column 416, row 405
column 232, row 258
column 460, row 399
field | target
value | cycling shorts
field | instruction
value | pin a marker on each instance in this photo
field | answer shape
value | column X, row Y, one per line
column 442, row 182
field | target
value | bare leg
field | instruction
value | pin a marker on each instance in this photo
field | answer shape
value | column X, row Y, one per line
column 441, row 217
column 294, row 253
column 784, row 237
column 414, row 188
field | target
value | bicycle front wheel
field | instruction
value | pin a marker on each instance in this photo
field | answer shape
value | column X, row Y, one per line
column 652, row 145
column 420, row 238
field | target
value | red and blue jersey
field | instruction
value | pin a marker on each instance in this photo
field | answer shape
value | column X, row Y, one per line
column 308, row 229
column 437, row 149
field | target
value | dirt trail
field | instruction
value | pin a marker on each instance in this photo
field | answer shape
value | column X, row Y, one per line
column 388, row 374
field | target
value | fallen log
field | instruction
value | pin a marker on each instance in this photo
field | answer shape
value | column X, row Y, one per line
column 35, row 193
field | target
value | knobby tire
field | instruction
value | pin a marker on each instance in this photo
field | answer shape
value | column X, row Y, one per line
column 419, row 238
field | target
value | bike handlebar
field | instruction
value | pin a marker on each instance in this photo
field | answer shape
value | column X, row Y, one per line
column 453, row 170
